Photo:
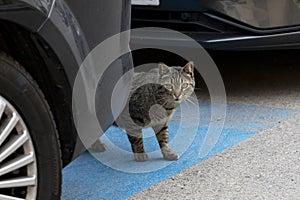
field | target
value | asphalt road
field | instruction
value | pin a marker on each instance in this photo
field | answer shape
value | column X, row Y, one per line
column 258, row 156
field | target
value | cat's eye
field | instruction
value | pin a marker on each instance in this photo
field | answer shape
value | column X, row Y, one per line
column 168, row 86
column 185, row 85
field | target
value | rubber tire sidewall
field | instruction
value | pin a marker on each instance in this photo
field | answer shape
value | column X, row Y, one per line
column 17, row 87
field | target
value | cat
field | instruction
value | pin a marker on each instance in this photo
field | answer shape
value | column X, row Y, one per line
column 153, row 99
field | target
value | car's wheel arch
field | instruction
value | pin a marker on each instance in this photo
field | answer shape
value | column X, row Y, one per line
column 38, row 58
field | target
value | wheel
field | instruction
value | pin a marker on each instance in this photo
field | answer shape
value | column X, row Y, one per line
column 30, row 161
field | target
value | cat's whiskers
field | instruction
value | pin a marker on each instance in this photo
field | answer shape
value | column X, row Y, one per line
column 164, row 100
column 190, row 101
column 161, row 99
column 165, row 103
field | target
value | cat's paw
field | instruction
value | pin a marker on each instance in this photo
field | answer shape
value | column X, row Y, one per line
column 98, row 146
column 140, row 157
column 169, row 154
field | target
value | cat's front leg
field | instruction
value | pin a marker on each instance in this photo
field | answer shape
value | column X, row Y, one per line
column 162, row 136
column 137, row 145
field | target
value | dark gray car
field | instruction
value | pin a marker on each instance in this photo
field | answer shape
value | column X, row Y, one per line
column 42, row 45
column 237, row 25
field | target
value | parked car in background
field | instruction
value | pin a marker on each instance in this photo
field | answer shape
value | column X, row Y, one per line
column 235, row 33
column 225, row 24
column 42, row 45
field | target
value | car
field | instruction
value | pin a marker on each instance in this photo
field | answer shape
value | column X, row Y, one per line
column 42, row 46
column 238, row 25
column 234, row 33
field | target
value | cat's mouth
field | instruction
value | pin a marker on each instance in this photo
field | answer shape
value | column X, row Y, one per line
column 177, row 101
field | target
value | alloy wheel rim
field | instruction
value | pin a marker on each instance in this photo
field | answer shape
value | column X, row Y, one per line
column 18, row 166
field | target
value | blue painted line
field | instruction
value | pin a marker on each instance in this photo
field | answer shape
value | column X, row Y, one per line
column 87, row 178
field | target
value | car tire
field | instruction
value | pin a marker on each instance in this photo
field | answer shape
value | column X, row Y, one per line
column 21, row 96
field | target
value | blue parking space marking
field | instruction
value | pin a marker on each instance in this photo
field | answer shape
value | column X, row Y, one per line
column 87, row 178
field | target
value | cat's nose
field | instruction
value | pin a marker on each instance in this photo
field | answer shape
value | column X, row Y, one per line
column 176, row 97
column 177, row 94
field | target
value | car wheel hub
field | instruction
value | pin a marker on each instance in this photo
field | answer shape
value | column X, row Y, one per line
column 18, row 166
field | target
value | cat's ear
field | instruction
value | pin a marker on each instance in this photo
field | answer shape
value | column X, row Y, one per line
column 188, row 69
column 163, row 69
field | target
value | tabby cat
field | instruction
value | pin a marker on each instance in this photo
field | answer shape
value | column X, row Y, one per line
column 153, row 99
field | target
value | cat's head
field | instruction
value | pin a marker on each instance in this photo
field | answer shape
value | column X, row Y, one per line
column 179, row 82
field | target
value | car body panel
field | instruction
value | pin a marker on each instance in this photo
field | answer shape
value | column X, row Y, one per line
column 257, row 13
column 72, row 29
column 260, row 13
column 226, row 25
column 30, row 14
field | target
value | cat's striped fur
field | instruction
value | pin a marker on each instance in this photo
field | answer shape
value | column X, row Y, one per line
column 153, row 99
